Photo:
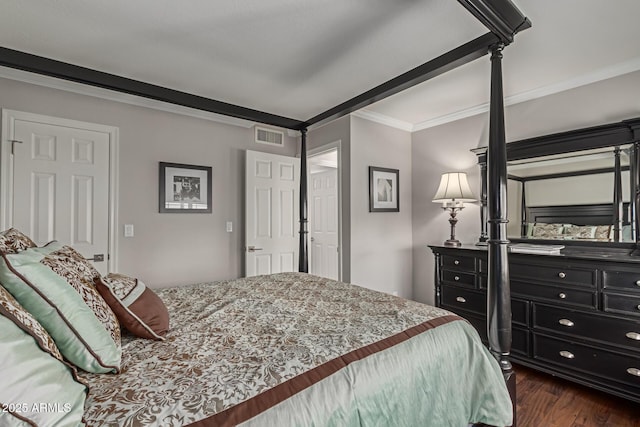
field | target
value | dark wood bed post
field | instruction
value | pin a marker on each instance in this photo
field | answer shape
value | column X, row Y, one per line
column 617, row 196
column 498, row 287
column 633, row 186
column 483, row 203
column 303, row 258
column 523, row 208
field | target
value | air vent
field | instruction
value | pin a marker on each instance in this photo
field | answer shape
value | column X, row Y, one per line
column 269, row 136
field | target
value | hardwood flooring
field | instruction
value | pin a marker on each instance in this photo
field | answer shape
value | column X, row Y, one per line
column 546, row 401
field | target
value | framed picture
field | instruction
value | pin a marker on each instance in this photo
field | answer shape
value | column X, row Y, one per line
column 383, row 190
column 185, row 188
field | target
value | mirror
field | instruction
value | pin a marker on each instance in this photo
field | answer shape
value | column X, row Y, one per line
column 571, row 196
column 579, row 187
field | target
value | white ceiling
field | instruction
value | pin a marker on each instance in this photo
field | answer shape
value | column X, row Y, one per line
column 299, row 58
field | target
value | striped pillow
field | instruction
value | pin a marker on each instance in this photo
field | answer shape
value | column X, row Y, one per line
column 74, row 327
column 79, row 274
column 138, row 308
column 32, row 367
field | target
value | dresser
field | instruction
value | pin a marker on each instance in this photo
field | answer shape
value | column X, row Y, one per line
column 574, row 315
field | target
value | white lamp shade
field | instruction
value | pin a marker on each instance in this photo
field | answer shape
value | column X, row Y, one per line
column 454, row 187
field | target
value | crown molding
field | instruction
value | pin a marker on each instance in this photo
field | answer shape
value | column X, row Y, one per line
column 383, row 119
column 572, row 83
column 69, row 86
column 110, row 95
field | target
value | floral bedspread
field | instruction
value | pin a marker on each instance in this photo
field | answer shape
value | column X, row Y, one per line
column 230, row 341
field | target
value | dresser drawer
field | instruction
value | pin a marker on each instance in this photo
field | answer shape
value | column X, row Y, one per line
column 464, row 263
column 480, row 325
column 520, row 341
column 462, row 299
column 627, row 280
column 558, row 294
column 459, row 279
column 520, row 312
column 593, row 361
column 561, row 274
column 591, row 326
column 623, row 304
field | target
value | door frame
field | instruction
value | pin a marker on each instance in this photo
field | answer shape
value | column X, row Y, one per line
column 6, row 170
column 335, row 145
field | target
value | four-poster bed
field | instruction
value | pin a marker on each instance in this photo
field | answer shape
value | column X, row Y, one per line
column 502, row 19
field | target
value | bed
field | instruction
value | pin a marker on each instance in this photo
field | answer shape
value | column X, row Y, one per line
column 283, row 349
column 296, row 349
column 463, row 382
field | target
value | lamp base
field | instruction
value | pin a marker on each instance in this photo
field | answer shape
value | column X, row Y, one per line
column 452, row 243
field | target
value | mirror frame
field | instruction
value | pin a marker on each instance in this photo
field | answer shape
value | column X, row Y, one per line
column 625, row 132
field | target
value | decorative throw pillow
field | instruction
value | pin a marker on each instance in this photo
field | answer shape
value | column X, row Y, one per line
column 546, row 231
column 38, row 388
column 13, row 241
column 580, row 231
column 138, row 308
column 77, row 332
column 79, row 273
column 603, row 232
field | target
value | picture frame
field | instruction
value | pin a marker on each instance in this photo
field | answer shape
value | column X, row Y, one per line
column 384, row 184
column 185, row 188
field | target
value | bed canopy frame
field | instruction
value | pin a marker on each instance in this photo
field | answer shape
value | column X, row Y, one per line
column 503, row 20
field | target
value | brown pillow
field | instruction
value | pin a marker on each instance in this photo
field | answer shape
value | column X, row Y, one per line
column 13, row 241
column 137, row 307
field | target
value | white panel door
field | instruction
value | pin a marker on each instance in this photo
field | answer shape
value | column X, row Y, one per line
column 323, row 224
column 272, row 217
column 61, row 186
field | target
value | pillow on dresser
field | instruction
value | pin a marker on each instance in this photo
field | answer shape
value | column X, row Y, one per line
column 59, row 308
column 138, row 308
column 546, row 231
column 580, row 231
column 34, row 374
column 13, row 241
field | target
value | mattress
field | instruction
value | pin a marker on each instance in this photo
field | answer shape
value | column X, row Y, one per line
column 294, row 349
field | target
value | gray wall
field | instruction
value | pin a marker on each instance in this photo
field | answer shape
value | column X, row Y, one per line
column 168, row 249
column 446, row 148
column 381, row 242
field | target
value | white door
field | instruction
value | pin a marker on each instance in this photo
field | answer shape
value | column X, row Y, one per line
column 271, row 213
column 323, row 224
column 60, row 186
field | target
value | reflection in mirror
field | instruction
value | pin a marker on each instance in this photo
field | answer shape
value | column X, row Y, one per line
column 582, row 196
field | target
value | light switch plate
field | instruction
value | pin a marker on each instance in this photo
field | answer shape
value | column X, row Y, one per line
column 229, row 226
column 128, row 230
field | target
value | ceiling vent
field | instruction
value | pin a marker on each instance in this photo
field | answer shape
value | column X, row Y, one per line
column 269, row 136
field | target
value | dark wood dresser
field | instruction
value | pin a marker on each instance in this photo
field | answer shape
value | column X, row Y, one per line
column 574, row 315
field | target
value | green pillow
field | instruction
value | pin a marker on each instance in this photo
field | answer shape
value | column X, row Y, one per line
column 37, row 388
column 77, row 332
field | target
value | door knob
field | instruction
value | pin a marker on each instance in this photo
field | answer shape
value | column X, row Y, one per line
column 253, row 249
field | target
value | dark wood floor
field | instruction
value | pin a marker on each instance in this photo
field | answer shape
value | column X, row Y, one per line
column 547, row 401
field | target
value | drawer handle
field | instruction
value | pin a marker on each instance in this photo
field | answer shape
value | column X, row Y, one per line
column 566, row 322
column 562, row 275
column 461, row 299
column 562, row 295
column 633, row 336
column 456, row 278
column 637, row 282
column 634, row 371
column 638, row 306
column 456, row 262
column 567, row 354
